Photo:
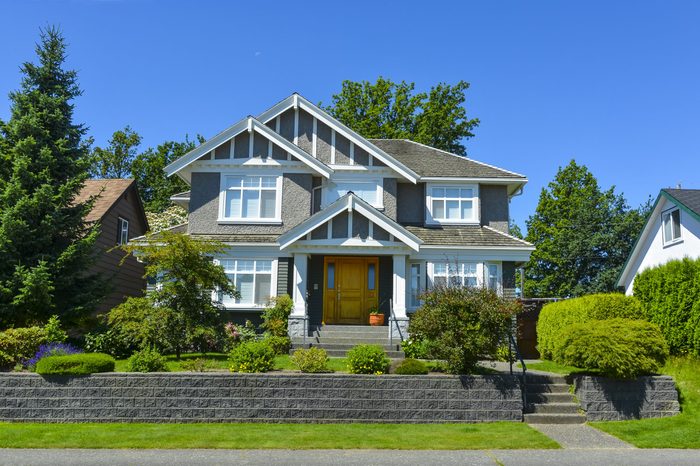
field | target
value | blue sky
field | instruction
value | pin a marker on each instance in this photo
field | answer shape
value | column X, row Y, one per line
column 612, row 84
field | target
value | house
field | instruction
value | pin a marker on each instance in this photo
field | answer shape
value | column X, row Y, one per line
column 121, row 217
column 344, row 224
column 672, row 231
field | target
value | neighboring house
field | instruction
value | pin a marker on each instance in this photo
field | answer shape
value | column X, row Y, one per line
column 672, row 232
column 119, row 211
column 342, row 223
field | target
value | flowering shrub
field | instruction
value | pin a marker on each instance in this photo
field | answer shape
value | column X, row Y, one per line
column 252, row 356
column 236, row 334
column 368, row 359
column 313, row 360
column 51, row 349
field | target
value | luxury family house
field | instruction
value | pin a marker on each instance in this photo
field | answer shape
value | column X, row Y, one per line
column 345, row 224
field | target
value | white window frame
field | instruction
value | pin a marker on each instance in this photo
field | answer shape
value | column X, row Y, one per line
column 379, row 182
column 273, row 281
column 499, row 276
column 667, row 216
column 456, row 265
column 429, row 219
column 122, row 231
column 250, row 220
column 421, row 284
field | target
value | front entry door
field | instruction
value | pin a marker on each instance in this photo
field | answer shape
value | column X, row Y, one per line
column 350, row 289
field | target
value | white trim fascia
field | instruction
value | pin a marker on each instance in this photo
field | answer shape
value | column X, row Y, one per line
column 464, row 179
column 387, row 224
column 341, row 129
column 357, row 250
column 301, row 230
column 478, row 248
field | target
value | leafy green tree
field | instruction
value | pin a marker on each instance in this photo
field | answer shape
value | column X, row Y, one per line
column 583, row 236
column 45, row 245
column 148, row 170
column 180, row 313
column 114, row 161
column 389, row 110
column 514, row 229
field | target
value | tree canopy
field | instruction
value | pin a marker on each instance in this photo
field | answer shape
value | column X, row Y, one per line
column 389, row 110
column 45, row 245
column 583, row 236
column 114, row 161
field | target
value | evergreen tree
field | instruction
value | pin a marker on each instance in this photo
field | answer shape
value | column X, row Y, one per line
column 45, row 245
column 583, row 236
column 114, row 161
column 389, row 110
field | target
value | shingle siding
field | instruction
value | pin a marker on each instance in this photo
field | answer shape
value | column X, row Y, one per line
column 494, row 206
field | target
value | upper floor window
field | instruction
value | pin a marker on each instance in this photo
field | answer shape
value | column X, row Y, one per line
column 251, row 198
column 122, row 231
column 369, row 191
column 452, row 204
column 672, row 226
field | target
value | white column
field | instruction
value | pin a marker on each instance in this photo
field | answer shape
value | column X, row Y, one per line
column 399, row 294
column 299, row 290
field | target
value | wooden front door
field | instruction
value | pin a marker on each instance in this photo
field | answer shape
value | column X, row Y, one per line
column 350, row 289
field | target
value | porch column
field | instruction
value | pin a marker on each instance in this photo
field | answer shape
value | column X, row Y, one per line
column 398, row 324
column 298, row 317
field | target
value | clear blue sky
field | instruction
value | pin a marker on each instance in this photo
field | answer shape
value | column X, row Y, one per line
column 612, row 84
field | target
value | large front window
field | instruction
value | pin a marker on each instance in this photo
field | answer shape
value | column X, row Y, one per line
column 252, row 279
column 251, row 198
column 455, row 274
column 452, row 204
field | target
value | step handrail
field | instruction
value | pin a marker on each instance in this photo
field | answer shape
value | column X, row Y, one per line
column 513, row 345
column 392, row 319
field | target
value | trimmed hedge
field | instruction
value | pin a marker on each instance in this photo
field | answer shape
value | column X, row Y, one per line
column 410, row 366
column 75, row 364
column 620, row 348
column 147, row 360
column 670, row 297
column 556, row 316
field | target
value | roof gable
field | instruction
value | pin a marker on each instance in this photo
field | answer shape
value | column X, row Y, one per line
column 106, row 192
column 686, row 199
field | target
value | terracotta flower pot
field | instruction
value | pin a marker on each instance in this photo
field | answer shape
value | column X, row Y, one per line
column 376, row 319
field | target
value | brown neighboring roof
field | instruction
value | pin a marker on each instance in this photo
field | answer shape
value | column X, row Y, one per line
column 108, row 192
column 466, row 235
column 428, row 161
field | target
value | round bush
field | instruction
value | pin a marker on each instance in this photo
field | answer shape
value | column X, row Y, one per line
column 75, row 364
column 312, row 360
column 554, row 317
column 280, row 345
column 620, row 348
column 368, row 359
column 411, row 366
column 252, row 356
column 147, row 360
column 414, row 348
column 20, row 344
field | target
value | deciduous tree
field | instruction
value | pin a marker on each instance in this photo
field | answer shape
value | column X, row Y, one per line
column 114, row 161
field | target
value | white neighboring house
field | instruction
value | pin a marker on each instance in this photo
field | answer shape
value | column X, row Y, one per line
column 672, row 232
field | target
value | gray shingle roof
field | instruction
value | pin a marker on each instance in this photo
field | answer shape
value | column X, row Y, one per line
column 688, row 197
column 465, row 235
column 428, row 161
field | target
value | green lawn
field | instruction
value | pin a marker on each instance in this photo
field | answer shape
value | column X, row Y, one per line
column 549, row 366
column 682, row 431
column 500, row 435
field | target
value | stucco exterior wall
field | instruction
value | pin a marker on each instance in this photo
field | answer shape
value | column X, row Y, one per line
column 390, row 198
column 494, row 206
column 652, row 251
column 410, row 202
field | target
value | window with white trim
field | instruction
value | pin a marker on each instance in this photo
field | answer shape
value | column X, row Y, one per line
column 251, row 198
column 122, row 231
column 455, row 274
column 415, row 288
column 252, row 278
column 671, row 226
column 452, row 204
column 492, row 276
column 368, row 191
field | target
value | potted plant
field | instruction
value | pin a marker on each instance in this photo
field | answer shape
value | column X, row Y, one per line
column 376, row 317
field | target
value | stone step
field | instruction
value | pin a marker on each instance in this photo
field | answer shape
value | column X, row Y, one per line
column 541, row 418
column 350, row 340
column 547, row 388
column 554, row 408
column 351, row 329
column 346, row 346
column 550, row 398
column 545, row 379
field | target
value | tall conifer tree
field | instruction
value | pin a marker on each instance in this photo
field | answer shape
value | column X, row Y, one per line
column 45, row 245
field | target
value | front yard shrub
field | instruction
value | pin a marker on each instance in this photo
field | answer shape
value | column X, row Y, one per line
column 75, row 364
column 110, row 342
column 670, row 297
column 280, row 345
column 51, row 349
column 54, row 332
column 414, row 348
column 312, row 360
column 620, row 348
column 197, row 365
column 276, row 316
column 147, row 360
column 411, row 366
column 20, row 344
column 554, row 317
column 368, row 359
column 236, row 334
column 462, row 325
column 252, row 356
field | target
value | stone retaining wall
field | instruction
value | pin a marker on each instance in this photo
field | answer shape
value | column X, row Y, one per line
column 606, row 399
column 213, row 397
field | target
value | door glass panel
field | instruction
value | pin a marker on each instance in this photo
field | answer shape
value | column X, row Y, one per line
column 370, row 276
column 331, row 275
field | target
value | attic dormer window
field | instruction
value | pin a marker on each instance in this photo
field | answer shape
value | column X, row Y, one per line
column 452, row 203
column 671, row 226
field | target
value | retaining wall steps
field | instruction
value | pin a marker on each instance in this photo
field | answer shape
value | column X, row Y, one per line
column 550, row 401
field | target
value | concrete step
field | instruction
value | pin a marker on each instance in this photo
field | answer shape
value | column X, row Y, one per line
column 346, row 347
column 351, row 340
column 554, row 408
column 550, row 398
column 540, row 418
column 545, row 378
column 547, row 388
column 351, row 329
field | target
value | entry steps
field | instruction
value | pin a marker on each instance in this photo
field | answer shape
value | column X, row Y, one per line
column 550, row 402
column 338, row 339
